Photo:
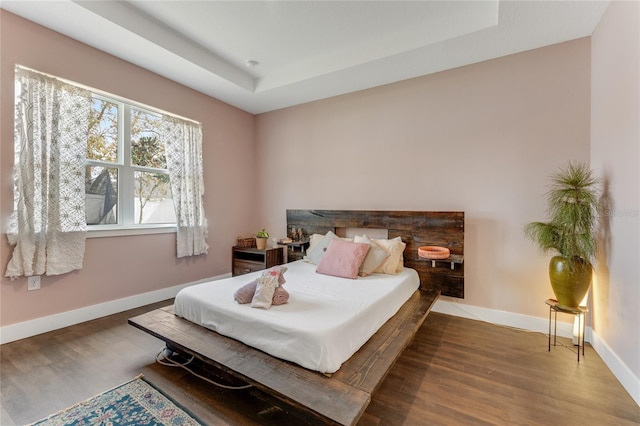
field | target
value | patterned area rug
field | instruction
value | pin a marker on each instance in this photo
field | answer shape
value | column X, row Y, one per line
column 137, row 402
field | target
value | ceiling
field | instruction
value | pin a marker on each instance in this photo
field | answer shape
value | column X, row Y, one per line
column 265, row 55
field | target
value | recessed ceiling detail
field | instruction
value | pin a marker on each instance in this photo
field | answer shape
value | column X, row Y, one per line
column 266, row 55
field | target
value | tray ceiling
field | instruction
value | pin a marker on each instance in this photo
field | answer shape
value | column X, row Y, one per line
column 266, row 55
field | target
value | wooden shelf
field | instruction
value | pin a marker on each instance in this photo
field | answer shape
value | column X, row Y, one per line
column 296, row 249
column 452, row 259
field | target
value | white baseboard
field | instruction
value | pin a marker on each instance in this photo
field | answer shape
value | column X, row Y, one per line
column 37, row 326
column 625, row 376
column 22, row 330
column 623, row 373
column 509, row 319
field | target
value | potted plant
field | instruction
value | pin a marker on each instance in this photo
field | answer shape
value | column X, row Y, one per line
column 570, row 233
column 261, row 239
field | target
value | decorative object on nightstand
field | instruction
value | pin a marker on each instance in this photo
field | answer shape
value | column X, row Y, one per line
column 296, row 244
column 250, row 259
column 261, row 239
column 572, row 206
column 246, row 242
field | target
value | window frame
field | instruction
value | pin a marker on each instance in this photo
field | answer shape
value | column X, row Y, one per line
column 113, row 230
column 126, row 171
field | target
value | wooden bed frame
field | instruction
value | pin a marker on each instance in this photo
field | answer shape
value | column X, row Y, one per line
column 342, row 397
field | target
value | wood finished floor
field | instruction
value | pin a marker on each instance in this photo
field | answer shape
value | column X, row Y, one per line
column 456, row 371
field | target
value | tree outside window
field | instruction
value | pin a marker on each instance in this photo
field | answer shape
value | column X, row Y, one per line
column 126, row 178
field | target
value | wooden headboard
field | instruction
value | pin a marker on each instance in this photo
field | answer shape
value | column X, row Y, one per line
column 416, row 229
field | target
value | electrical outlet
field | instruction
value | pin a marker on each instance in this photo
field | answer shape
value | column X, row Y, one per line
column 33, row 283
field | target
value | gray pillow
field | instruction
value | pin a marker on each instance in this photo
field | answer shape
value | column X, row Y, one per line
column 315, row 255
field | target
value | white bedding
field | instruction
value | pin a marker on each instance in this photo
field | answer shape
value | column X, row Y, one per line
column 326, row 320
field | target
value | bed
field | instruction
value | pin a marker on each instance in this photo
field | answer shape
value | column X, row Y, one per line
column 326, row 320
column 341, row 395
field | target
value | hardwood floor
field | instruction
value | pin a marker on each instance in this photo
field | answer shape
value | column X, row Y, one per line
column 456, row 371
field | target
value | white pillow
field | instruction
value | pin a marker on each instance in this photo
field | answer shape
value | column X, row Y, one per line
column 375, row 256
column 394, row 264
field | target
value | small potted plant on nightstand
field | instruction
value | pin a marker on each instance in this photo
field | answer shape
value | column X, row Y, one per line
column 261, row 239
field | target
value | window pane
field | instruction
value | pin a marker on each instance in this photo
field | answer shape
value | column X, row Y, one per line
column 153, row 202
column 101, row 191
column 146, row 148
column 103, row 131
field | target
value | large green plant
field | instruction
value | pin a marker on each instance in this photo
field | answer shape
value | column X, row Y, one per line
column 572, row 209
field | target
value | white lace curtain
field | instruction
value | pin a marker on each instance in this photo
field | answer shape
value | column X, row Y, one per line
column 183, row 145
column 48, row 227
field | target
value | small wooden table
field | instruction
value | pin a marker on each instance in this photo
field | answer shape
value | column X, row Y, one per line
column 579, row 312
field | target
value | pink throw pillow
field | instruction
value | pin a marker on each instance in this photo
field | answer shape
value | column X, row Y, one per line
column 343, row 259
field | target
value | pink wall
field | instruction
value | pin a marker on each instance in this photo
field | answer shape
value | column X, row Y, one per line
column 615, row 152
column 118, row 267
column 482, row 138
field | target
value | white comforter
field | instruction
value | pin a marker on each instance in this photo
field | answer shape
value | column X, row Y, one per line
column 326, row 320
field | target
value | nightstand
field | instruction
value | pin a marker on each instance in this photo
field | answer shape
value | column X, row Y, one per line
column 245, row 260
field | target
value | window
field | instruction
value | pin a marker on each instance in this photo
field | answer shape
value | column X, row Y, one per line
column 126, row 182
column 132, row 161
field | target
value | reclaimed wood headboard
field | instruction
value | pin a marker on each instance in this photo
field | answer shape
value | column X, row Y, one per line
column 416, row 229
